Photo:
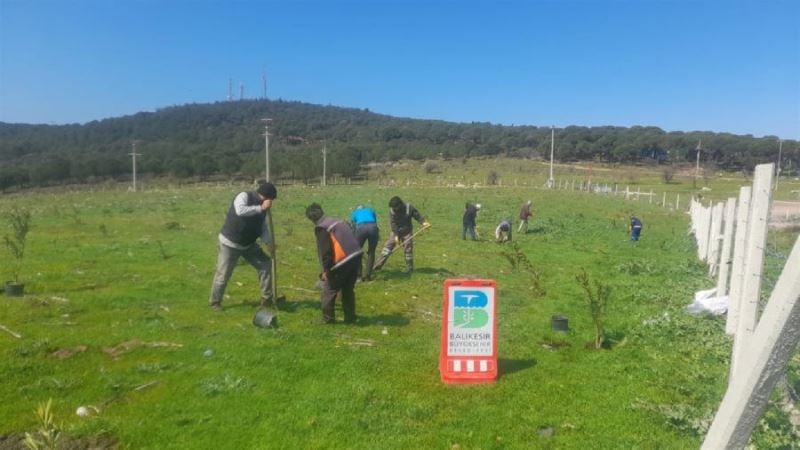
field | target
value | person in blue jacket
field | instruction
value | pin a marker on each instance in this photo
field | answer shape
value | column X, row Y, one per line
column 365, row 222
column 635, row 228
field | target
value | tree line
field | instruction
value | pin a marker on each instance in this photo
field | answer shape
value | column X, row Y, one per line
column 227, row 138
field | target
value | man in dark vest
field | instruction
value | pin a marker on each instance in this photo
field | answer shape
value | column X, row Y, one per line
column 339, row 260
column 400, row 215
column 244, row 224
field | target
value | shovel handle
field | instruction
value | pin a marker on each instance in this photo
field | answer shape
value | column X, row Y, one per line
column 273, row 259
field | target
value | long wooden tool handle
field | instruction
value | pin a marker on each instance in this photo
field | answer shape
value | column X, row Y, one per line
column 274, row 268
column 402, row 244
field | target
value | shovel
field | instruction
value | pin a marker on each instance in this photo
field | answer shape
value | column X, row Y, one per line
column 403, row 243
column 265, row 318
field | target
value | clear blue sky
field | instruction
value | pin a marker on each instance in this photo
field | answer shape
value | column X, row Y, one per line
column 728, row 66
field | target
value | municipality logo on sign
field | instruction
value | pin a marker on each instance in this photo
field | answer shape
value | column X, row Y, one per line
column 469, row 309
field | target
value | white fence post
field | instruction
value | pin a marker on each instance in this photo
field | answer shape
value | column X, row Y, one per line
column 764, row 361
column 703, row 232
column 754, row 259
column 739, row 253
column 714, row 239
column 725, row 256
column 677, row 201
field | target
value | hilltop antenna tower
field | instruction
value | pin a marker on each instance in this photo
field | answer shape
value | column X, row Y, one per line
column 241, row 91
column 230, row 89
column 133, row 156
column 266, row 147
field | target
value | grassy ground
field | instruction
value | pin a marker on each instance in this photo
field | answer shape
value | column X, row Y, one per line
column 105, row 268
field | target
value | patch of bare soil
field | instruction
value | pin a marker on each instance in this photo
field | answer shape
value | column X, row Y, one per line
column 784, row 214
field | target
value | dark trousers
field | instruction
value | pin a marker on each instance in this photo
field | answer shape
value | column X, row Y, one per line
column 342, row 279
column 368, row 232
column 468, row 227
column 635, row 231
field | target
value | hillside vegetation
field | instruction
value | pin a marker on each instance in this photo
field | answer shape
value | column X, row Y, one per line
column 226, row 138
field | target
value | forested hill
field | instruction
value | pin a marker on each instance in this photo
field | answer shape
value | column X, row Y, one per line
column 227, row 138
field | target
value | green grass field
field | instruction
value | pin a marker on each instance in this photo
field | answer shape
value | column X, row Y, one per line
column 109, row 267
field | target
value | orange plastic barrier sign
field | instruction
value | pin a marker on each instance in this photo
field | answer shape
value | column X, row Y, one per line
column 469, row 332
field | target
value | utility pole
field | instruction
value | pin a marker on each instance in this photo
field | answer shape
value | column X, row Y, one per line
column 324, row 164
column 778, row 167
column 266, row 148
column 134, row 155
column 551, row 181
column 697, row 164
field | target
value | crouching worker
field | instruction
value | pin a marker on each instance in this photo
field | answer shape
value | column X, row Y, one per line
column 503, row 231
column 244, row 224
column 400, row 215
column 339, row 259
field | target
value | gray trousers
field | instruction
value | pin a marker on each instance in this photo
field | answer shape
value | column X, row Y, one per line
column 368, row 232
column 408, row 249
column 226, row 261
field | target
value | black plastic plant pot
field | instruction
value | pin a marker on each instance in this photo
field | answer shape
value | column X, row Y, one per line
column 559, row 323
column 14, row 289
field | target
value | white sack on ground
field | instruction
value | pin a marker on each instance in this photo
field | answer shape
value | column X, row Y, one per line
column 705, row 302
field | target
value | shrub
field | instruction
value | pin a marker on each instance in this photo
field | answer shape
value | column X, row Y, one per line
column 20, row 222
column 431, row 167
column 597, row 300
column 667, row 174
column 492, row 177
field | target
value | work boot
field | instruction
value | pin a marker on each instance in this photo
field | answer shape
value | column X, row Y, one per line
column 216, row 307
column 266, row 303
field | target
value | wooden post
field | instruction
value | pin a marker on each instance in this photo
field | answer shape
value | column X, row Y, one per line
column 754, row 259
column 664, row 200
column 764, row 361
column 737, row 266
column 677, row 201
column 725, row 255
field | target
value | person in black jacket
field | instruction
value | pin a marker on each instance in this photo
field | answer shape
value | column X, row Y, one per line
column 244, row 224
column 400, row 215
column 339, row 260
column 468, row 220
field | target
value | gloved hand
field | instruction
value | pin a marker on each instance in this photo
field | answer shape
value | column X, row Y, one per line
column 426, row 225
column 397, row 240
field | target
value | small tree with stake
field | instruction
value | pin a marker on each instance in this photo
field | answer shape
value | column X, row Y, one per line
column 597, row 300
column 19, row 221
